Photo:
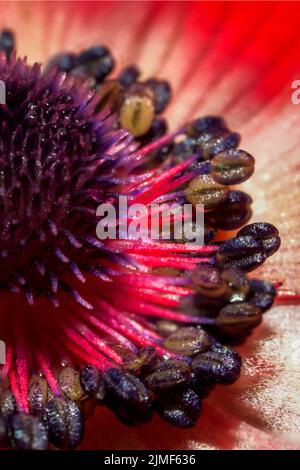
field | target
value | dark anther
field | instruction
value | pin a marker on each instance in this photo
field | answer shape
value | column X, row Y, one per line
column 184, row 149
column 237, row 283
column 205, row 124
column 212, row 138
column 218, row 365
column 158, row 128
column 125, row 387
column 209, row 234
column 181, row 409
column 230, row 140
column 233, row 213
column 204, row 190
column 63, row 62
column 28, row 432
column 208, row 306
column 208, row 281
column 162, row 153
column 168, row 374
column 232, row 166
column 7, row 41
column 262, row 294
column 90, row 379
column 96, row 62
column 238, row 318
column 65, row 423
column 178, row 417
column 129, row 75
column 4, row 440
column 91, row 54
column 201, row 388
column 264, row 232
column 8, row 405
column 243, row 253
column 188, row 341
column 131, row 416
column 162, row 94
column 127, row 396
column 37, row 395
column 105, row 67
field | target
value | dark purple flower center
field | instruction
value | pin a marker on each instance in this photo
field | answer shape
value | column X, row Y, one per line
column 53, row 150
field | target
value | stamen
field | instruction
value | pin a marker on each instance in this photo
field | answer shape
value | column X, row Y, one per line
column 136, row 325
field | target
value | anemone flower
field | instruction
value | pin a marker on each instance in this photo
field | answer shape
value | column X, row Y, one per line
column 134, row 325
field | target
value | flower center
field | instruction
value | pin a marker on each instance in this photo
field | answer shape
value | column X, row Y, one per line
column 52, row 147
column 151, row 319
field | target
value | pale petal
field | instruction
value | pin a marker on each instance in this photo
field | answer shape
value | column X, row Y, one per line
column 267, row 395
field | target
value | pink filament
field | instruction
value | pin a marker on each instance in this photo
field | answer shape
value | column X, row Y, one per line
column 138, row 246
column 46, row 370
column 172, row 262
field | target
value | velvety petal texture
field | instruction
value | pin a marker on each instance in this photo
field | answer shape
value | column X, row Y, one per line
column 237, row 59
